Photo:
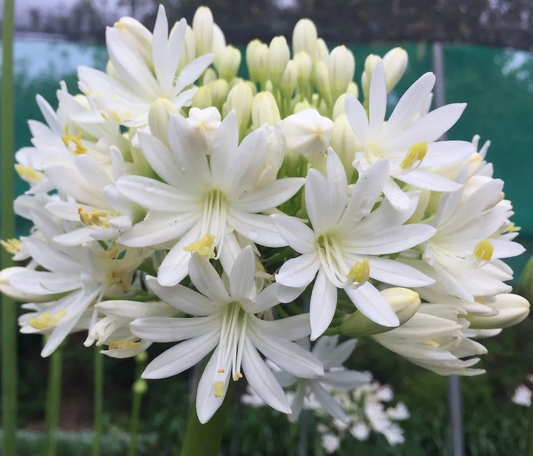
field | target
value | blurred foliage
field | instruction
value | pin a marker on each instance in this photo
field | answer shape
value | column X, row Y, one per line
column 498, row 86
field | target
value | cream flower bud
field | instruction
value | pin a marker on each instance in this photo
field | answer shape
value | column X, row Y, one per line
column 511, row 308
column 341, row 69
column 366, row 77
column 14, row 293
column 202, row 26
column 321, row 51
column 339, row 106
column 304, row 65
column 227, row 62
column 189, row 48
column 394, row 65
column 322, row 82
column 278, row 57
column 304, row 37
column 240, row 99
column 288, row 82
column 257, row 61
column 275, row 154
column 137, row 36
column 219, row 40
column 210, row 76
column 205, row 123
column 158, row 118
column 219, row 92
column 345, row 143
column 404, row 302
column 308, row 133
column 353, row 89
column 301, row 106
column 202, row 98
column 264, row 110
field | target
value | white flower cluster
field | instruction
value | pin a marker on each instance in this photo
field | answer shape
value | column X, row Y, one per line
column 522, row 394
column 173, row 201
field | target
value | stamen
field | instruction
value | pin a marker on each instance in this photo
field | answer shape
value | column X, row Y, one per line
column 512, row 228
column 122, row 344
column 359, row 272
column 11, row 246
column 46, row 320
column 67, row 138
column 29, row 175
column 221, row 371
column 92, row 219
column 205, row 246
column 415, row 155
column 483, row 250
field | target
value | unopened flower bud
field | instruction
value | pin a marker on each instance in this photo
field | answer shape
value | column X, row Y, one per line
column 304, row 66
column 227, row 62
column 353, row 90
column 345, row 143
column 202, row 26
column 278, row 57
column 140, row 386
column 188, row 54
column 219, row 40
column 257, row 61
column 202, row 98
column 404, row 302
column 288, row 81
column 308, row 133
column 339, row 106
column 158, row 118
column 366, row 77
column 341, row 69
column 264, row 110
column 141, row 358
column 240, row 99
column 304, row 37
column 322, row 82
column 321, row 51
column 511, row 308
column 137, row 36
column 394, row 65
column 210, row 75
column 219, row 92
column 204, row 123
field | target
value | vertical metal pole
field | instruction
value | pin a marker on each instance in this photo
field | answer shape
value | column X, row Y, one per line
column 454, row 383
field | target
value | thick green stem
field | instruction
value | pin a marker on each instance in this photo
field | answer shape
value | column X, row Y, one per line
column 529, row 443
column 98, row 399
column 9, row 314
column 204, row 439
column 53, row 400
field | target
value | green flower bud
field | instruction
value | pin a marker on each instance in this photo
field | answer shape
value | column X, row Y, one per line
column 202, row 26
column 240, row 99
column 278, row 57
column 264, row 110
column 304, row 37
column 301, row 106
column 321, row 51
column 219, row 92
column 304, row 66
column 202, row 98
column 403, row 301
column 227, row 63
column 140, row 386
column 288, row 81
column 511, row 310
column 353, row 89
column 366, row 77
column 158, row 118
column 341, row 69
column 257, row 61
column 394, row 65
column 322, row 82
column 136, row 35
column 345, row 143
column 210, row 75
column 141, row 358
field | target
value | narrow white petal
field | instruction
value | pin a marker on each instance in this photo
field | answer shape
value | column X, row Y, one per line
column 270, row 196
column 330, row 405
column 429, row 181
column 373, row 305
column 258, row 228
column 319, row 202
column 206, row 401
column 291, row 328
column 396, row 273
column 299, row 272
column 397, row 198
column 206, row 279
column 323, row 304
column 167, row 329
column 242, row 276
column 346, row 379
column 298, row 235
column 377, row 99
column 337, row 356
column 265, row 300
column 356, row 114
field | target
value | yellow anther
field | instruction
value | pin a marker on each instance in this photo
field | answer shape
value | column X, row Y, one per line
column 483, row 250
column 431, row 343
column 512, row 228
column 237, row 376
column 415, row 155
column 67, row 138
column 117, row 116
column 479, row 300
column 218, row 389
column 122, row 344
column 359, row 272
column 220, row 371
column 92, row 219
column 204, row 246
column 46, row 320
column 11, row 245
column 29, row 175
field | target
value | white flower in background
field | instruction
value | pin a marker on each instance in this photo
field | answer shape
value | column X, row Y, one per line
column 523, row 393
column 330, row 443
column 203, row 202
column 463, row 256
column 126, row 98
column 101, row 211
column 335, row 376
column 412, row 150
column 114, row 331
column 81, row 275
column 345, row 243
column 226, row 323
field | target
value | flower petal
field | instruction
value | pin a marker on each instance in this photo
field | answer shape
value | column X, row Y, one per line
column 298, row 272
column 323, row 304
column 298, row 235
column 373, row 305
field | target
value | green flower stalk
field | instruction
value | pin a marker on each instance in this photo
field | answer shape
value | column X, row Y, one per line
column 53, row 401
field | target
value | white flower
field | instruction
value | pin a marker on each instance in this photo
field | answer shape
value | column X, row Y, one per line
column 127, row 97
column 399, row 413
column 330, row 443
column 205, row 123
column 360, row 431
column 335, row 376
column 82, row 275
column 226, row 322
column 345, row 243
column 204, row 201
column 307, row 133
column 410, row 149
column 94, row 203
column 522, row 396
